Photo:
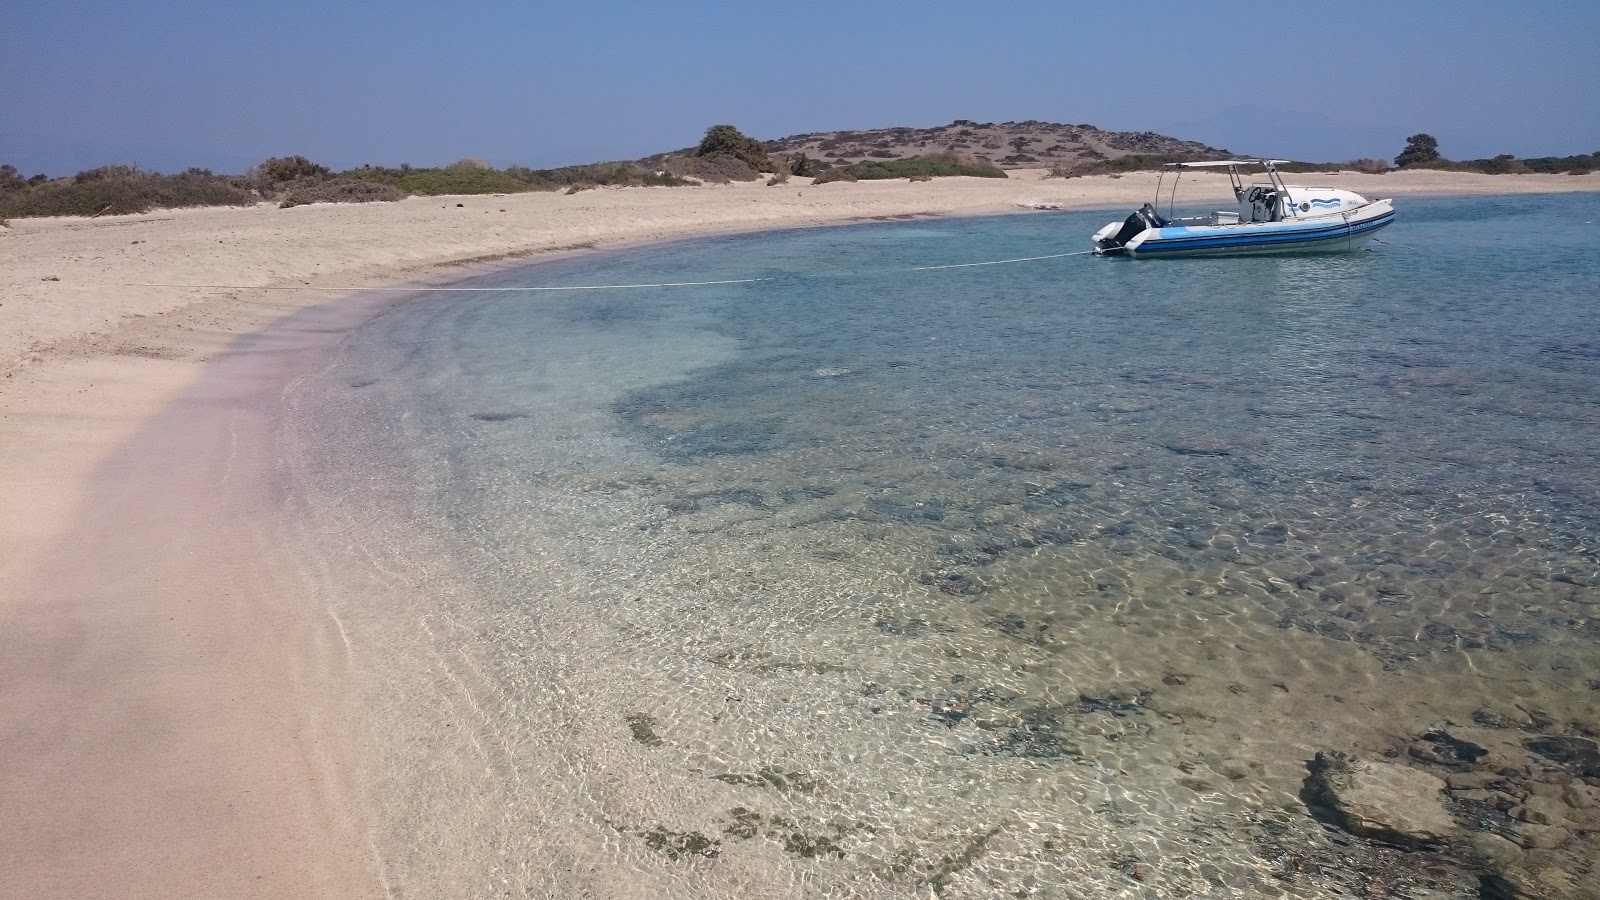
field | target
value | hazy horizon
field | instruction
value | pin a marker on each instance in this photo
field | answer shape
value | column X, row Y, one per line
column 175, row 84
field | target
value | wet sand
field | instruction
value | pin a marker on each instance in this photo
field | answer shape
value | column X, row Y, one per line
column 174, row 709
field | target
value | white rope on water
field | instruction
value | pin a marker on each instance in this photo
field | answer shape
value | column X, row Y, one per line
column 573, row 287
column 998, row 262
column 452, row 290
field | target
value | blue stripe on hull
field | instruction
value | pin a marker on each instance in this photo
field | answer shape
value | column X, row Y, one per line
column 1329, row 238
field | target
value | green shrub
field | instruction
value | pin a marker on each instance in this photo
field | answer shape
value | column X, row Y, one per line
column 727, row 140
column 1506, row 164
column 594, row 175
column 1420, row 150
column 836, row 173
column 275, row 175
column 718, row 169
column 110, row 173
column 340, row 190
column 1369, row 166
column 376, row 174
column 1133, row 162
column 616, row 175
column 120, row 190
column 932, row 166
column 11, row 180
column 433, row 182
column 1580, row 164
column 289, row 168
column 779, row 177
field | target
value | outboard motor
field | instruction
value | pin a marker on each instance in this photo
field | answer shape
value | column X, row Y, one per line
column 1143, row 218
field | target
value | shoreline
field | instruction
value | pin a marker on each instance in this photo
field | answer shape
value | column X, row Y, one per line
column 57, row 293
column 99, row 383
column 175, row 718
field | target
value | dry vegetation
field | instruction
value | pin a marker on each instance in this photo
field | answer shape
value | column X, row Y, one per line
column 1006, row 145
column 963, row 147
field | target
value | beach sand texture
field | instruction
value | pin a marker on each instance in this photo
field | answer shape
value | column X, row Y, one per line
column 172, row 718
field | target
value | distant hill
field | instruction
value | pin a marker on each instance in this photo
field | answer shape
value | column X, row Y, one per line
column 1009, row 145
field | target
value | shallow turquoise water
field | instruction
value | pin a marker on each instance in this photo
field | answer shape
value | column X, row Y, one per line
column 1040, row 579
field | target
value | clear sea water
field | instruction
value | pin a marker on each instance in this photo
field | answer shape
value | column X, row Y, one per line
column 1033, row 580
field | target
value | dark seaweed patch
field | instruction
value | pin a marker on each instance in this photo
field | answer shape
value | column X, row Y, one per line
column 643, row 727
column 1581, row 755
column 680, row 845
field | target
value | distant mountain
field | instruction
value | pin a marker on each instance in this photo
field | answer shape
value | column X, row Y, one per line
column 1009, row 145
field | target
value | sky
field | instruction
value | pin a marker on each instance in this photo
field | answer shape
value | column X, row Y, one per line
column 169, row 84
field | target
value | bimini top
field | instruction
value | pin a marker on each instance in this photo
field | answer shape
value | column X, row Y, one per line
column 1218, row 163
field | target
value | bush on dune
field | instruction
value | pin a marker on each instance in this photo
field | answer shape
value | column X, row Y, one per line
column 911, row 167
column 340, row 190
column 1122, row 165
column 726, row 140
column 715, row 169
column 11, row 181
column 376, row 174
column 1506, row 164
column 274, row 176
column 1422, row 152
column 459, row 181
column 1368, row 166
column 614, row 174
column 121, row 190
column 835, row 173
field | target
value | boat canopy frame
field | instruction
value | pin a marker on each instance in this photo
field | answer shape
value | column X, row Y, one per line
column 1232, row 165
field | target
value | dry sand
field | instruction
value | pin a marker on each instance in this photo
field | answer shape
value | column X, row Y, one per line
column 170, row 694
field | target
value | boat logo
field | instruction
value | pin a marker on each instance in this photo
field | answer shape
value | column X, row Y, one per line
column 1319, row 204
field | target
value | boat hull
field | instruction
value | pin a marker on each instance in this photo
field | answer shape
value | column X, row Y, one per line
column 1342, row 232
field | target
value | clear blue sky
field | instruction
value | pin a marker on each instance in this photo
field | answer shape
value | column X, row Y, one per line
column 171, row 83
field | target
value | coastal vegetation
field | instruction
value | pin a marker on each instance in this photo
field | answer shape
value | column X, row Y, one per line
column 726, row 140
column 915, row 167
column 112, row 190
column 1007, row 145
column 724, row 154
column 340, row 190
column 1422, row 152
column 296, row 181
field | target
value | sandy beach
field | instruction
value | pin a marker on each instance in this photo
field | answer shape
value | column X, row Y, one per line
column 171, row 711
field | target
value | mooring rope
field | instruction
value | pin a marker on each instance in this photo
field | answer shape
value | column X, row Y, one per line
column 452, row 290
column 998, row 262
column 576, row 287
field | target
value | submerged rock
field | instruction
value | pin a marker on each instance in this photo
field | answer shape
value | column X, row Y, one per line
column 1439, row 747
column 1580, row 755
column 1394, row 804
column 1532, row 880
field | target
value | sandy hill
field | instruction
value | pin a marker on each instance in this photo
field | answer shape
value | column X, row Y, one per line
column 1009, row 145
